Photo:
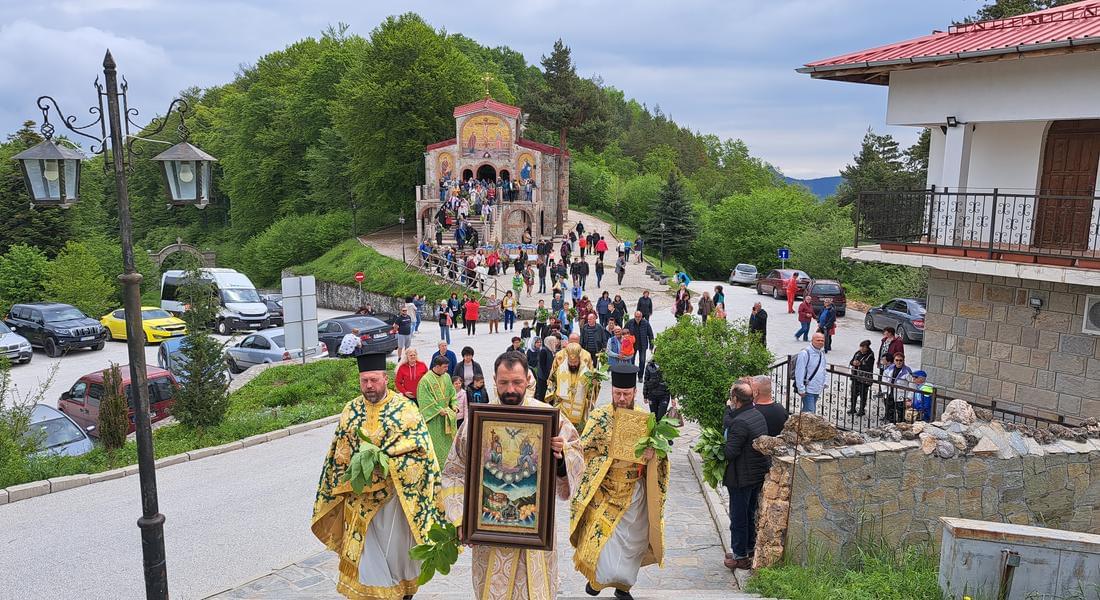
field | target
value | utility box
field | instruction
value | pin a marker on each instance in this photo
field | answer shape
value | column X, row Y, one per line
column 983, row 559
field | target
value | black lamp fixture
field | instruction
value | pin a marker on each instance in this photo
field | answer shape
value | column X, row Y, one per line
column 953, row 121
column 186, row 174
column 51, row 172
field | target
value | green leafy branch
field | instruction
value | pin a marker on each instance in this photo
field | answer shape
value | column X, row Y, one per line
column 711, row 449
column 658, row 437
column 599, row 370
column 438, row 553
column 363, row 463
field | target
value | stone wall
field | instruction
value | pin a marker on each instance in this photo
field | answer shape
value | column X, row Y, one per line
column 897, row 492
column 981, row 338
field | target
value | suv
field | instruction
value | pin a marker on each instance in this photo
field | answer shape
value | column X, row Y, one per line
column 819, row 289
column 81, row 401
column 56, row 328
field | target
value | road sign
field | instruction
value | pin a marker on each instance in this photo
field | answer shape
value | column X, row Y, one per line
column 359, row 277
column 784, row 254
column 300, row 313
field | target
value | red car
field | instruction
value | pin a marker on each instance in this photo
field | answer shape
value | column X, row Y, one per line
column 819, row 289
column 775, row 283
column 81, row 402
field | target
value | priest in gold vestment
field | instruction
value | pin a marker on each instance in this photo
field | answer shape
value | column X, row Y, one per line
column 502, row 573
column 373, row 531
column 616, row 520
column 570, row 388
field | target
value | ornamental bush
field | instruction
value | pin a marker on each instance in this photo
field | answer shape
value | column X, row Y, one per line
column 114, row 417
column 701, row 361
column 203, row 397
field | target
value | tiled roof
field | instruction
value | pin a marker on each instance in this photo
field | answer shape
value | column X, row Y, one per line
column 443, row 144
column 544, row 148
column 488, row 104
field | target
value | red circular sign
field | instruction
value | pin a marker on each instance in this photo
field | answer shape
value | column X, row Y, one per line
column 359, row 277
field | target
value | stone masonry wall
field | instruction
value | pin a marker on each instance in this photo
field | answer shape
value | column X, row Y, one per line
column 982, row 338
column 894, row 491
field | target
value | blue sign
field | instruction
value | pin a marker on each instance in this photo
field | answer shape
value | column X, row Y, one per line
column 784, row 254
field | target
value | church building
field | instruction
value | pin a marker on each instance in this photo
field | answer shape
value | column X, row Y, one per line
column 489, row 146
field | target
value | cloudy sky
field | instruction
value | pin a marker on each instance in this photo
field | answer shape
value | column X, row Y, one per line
column 723, row 66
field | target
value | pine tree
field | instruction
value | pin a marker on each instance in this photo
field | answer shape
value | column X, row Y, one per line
column 203, row 396
column 114, row 414
column 678, row 217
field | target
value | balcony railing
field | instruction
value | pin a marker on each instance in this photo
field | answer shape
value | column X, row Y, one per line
column 987, row 224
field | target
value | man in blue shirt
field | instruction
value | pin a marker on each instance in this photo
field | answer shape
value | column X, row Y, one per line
column 921, row 400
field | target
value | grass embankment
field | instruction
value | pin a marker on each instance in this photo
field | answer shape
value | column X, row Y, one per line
column 384, row 275
column 651, row 248
column 279, row 397
column 874, row 572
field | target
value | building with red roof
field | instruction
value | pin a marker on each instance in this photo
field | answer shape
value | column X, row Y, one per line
column 489, row 155
column 1009, row 222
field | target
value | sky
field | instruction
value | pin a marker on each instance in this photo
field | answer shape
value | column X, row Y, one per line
column 725, row 67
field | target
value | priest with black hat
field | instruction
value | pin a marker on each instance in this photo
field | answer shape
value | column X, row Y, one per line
column 616, row 524
column 373, row 530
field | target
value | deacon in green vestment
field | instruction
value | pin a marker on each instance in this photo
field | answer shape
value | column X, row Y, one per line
column 436, row 396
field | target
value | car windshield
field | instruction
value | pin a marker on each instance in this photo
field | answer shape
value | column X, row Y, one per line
column 826, row 288
column 155, row 313
column 240, row 295
column 64, row 314
column 58, row 432
column 364, row 323
column 4, row 328
column 746, row 268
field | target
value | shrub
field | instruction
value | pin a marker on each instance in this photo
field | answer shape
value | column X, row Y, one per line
column 114, row 417
column 292, row 241
column 203, row 395
column 384, row 275
column 76, row 277
column 18, row 442
column 23, row 271
column 701, row 361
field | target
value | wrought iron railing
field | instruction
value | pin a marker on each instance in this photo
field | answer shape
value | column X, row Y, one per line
column 988, row 224
column 837, row 398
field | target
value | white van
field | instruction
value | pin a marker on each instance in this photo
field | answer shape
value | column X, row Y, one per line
column 242, row 307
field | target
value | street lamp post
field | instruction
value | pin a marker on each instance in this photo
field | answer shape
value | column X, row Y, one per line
column 52, row 174
column 401, row 220
column 662, row 245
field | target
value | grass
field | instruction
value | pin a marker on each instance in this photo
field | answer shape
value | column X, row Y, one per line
column 384, row 275
column 874, row 571
column 279, row 397
column 626, row 232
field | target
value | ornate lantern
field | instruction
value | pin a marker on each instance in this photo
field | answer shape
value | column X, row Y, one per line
column 186, row 172
column 52, row 173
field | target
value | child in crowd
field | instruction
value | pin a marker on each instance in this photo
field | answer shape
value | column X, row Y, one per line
column 525, row 335
column 460, row 399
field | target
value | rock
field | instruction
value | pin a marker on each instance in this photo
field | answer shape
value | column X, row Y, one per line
column 894, row 436
column 849, row 438
column 1065, row 433
column 874, row 432
column 945, row 449
column 789, row 437
column 955, row 427
column 1042, row 436
column 918, row 427
column 985, row 447
column 1013, row 427
column 972, row 439
column 770, row 446
column 810, row 427
column 958, row 411
column 1016, row 441
column 909, row 435
column 904, row 426
column 927, row 443
column 983, row 414
column 815, row 448
column 1091, row 422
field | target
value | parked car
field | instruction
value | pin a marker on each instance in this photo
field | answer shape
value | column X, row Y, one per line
column 57, row 434
column 156, row 323
column 81, row 401
column 55, row 327
column 274, row 304
column 819, row 289
column 744, row 274
column 267, row 346
column 775, row 283
column 905, row 315
column 13, row 346
column 170, row 357
column 377, row 335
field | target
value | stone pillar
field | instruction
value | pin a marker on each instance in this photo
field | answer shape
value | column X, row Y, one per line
column 771, row 518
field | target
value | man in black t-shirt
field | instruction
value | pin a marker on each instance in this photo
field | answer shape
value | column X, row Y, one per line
column 404, row 326
column 774, row 414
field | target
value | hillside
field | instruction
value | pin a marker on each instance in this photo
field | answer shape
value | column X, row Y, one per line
column 822, row 187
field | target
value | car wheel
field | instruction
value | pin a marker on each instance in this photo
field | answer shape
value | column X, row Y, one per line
column 51, row 348
column 759, row 290
column 775, row 293
column 233, row 368
column 903, row 334
column 223, row 328
column 869, row 322
column 99, row 346
column 110, row 336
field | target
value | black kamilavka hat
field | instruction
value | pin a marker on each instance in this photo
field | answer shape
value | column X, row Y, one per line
column 371, row 362
column 624, row 376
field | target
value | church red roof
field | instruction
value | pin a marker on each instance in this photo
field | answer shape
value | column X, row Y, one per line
column 487, row 104
column 443, row 144
column 544, row 148
column 1064, row 27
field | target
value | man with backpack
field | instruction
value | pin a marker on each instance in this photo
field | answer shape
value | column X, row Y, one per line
column 810, row 372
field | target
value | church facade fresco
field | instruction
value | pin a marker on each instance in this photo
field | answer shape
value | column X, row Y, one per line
column 488, row 144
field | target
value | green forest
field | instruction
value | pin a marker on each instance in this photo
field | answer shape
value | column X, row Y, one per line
column 324, row 139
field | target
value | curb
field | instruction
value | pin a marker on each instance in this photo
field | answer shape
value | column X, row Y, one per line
column 713, row 500
column 53, row 485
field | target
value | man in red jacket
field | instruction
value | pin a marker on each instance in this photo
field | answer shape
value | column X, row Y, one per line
column 792, row 291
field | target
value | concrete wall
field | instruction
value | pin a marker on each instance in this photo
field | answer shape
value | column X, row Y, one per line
column 1030, row 89
column 893, row 491
column 982, row 338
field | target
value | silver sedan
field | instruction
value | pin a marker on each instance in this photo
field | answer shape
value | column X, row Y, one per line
column 267, row 346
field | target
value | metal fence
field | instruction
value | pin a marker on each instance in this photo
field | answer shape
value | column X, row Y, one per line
column 983, row 224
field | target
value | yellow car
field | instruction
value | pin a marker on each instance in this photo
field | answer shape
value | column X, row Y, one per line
column 157, row 323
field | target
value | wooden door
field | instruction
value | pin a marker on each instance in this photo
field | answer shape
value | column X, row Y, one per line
column 1069, row 169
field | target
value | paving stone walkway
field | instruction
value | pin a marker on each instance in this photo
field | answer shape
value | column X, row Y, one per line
column 692, row 567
